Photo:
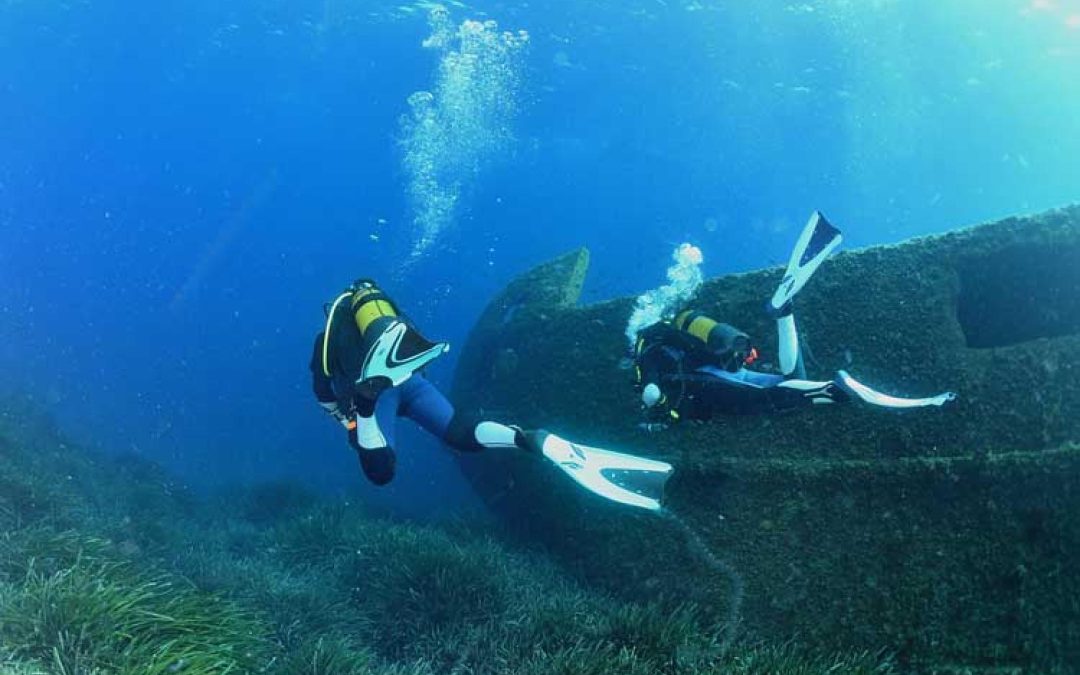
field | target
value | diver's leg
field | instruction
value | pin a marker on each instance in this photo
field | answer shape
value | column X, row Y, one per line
column 371, row 442
column 640, row 481
column 793, row 393
column 423, row 403
column 744, row 392
column 816, row 242
column 751, row 392
column 791, row 361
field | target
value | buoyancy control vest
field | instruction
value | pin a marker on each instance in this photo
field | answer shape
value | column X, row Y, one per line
column 727, row 346
column 668, row 351
column 369, row 345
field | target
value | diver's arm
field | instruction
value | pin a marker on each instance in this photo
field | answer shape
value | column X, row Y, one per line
column 322, row 386
column 657, row 362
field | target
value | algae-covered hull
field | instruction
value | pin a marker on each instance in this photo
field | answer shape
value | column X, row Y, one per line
column 948, row 535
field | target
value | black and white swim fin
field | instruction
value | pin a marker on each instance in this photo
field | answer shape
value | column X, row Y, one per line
column 818, row 239
column 397, row 353
column 626, row 479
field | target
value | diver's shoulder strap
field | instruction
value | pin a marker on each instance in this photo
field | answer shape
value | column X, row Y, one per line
column 326, row 332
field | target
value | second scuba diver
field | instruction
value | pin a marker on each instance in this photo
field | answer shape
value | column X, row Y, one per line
column 365, row 370
column 693, row 367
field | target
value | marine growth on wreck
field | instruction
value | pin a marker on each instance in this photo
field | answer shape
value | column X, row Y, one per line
column 947, row 536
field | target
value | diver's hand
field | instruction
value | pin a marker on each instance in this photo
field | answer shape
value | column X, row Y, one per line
column 334, row 410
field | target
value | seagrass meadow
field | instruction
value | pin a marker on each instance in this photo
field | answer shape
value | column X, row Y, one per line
column 109, row 566
column 949, row 537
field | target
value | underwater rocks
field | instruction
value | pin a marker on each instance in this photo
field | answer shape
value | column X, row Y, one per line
column 946, row 535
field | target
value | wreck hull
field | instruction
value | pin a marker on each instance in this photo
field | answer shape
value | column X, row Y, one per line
column 941, row 534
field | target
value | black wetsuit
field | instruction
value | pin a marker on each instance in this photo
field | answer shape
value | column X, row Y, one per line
column 698, row 383
column 416, row 398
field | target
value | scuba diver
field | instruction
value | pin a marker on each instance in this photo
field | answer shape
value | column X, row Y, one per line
column 693, row 367
column 366, row 371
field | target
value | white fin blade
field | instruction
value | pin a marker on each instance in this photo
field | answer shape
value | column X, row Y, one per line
column 585, row 465
column 797, row 273
column 868, row 395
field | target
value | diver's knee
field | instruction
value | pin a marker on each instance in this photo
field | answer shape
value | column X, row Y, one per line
column 461, row 433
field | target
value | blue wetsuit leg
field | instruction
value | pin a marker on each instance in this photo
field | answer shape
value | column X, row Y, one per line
column 744, row 392
column 423, row 403
column 379, row 463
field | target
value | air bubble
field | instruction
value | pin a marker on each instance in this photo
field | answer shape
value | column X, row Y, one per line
column 464, row 122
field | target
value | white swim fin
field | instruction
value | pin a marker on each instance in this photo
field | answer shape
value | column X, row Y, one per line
column 397, row 353
column 626, row 479
column 817, row 241
column 864, row 393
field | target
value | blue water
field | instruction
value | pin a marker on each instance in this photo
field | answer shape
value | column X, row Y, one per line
column 182, row 185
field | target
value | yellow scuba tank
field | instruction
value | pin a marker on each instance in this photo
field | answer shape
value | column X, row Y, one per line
column 389, row 348
column 367, row 303
column 730, row 345
column 370, row 304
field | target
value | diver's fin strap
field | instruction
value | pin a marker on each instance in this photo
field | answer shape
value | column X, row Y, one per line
column 626, row 479
column 818, row 239
column 868, row 395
